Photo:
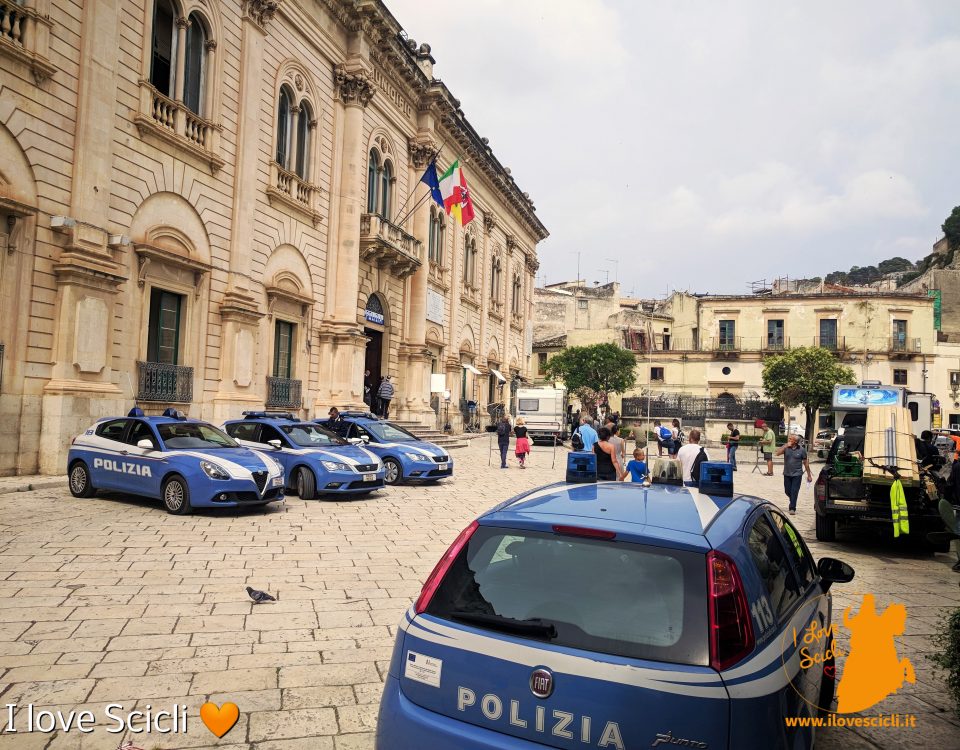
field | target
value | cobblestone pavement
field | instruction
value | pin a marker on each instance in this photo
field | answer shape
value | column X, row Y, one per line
column 111, row 600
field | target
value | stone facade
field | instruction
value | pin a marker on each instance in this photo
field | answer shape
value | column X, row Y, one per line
column 216, row 205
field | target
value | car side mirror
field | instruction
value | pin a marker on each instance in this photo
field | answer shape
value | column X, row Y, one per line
column 355, row 441
column 833, row 571
column 365, row 438
column 146, row 444
column 276, row 444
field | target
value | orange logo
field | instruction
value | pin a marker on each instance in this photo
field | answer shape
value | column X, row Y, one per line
column 873, row 669
column 219, row 719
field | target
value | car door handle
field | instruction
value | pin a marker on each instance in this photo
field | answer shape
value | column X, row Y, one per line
column 124, row 453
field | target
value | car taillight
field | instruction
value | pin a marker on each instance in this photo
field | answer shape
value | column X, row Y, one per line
column 731, row 630
column 820, row 489
column 441, row 568
column 584, row 531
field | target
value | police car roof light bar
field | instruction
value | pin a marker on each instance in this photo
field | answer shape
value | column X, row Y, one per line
column 443, row 565
column 136, row 411
column 270, row 415
column 173, row 413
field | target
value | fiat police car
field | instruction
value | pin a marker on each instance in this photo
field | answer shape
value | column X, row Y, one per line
column 315, row 460
column 404, row 455
column 184, row 462
column 613, row 615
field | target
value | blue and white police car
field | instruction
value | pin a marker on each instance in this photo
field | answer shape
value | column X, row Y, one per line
column 404, row 455
column 184, row 462
column 614, row 615
column 316, row 461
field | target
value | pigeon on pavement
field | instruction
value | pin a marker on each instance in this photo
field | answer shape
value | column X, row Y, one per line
column 260, row 596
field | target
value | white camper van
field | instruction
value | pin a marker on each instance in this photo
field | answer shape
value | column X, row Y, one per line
column 545, row 412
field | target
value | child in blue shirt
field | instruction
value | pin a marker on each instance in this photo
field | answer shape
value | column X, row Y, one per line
column 638, row 466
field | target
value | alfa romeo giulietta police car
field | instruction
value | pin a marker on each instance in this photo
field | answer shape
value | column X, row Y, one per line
column 184, row 462
column 404, row 455
column 614, row 615
column 315, row 460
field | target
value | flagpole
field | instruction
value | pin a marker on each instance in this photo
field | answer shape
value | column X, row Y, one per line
column 410, row 194
column 415, row 207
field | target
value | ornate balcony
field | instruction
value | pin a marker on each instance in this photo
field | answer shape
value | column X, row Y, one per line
column 157, row 381
column 174, row 123
column 386, row 245
column 25, row 36
column 284, row 393
column 902, row 347
column 288, row 189
column 833, row 343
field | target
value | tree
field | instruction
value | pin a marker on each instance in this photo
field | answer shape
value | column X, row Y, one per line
column 892, row 265
column 806, row 376
column 593, row 372
column 951, row 228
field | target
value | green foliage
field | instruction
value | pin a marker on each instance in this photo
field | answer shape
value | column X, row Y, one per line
column 593, row 372
column 753, row 440
column 804, row 376
column 892, row 265
column 947, row 656
column 951, row 228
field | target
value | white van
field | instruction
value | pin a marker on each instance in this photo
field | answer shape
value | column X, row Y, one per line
column 545, row 412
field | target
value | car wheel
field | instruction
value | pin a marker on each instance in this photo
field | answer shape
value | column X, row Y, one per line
column 826, row 528
column 80, row 484
column 176, row 496
column 392, row 471
column 306, row 484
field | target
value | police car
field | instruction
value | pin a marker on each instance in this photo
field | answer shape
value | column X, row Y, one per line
column 614, row 615
column 315, row 460
column 404, row 455
column 184, row 462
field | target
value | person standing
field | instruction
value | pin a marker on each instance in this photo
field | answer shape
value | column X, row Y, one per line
column 385, row 394
column 522, row 448
column 733, row 442
column 367, row 387
column 676, row 434
column 609, row 467
column 335, row 421
column 663, row 437
column 503, row 439
column 768, row 444
column 618, row 442
column 794, row 462
column 688, row 454
column 637, row 468
column 587, row 434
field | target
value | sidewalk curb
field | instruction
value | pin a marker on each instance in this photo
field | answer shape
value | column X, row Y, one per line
column 37, row 484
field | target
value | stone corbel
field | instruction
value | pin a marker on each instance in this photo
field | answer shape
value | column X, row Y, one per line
column 422, row 152
column 143, row 263
column 490, row 221
column 352, row 87
column 261, row 11
column 511, row 242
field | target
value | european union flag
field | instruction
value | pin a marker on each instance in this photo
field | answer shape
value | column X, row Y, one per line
column 431, row 180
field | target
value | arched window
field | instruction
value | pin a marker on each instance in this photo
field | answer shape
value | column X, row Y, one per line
column 495, row 279
column 373, row 181
column 470, row 261
column 515, row 301
column 437, row 236
column 283, row 128
column 162, row 44
column 431, row 242
column 194, row 65
column 386, row 189
column 303, row 140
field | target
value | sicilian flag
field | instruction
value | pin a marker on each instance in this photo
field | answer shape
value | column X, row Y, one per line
column 456, row 194
column 431, row 180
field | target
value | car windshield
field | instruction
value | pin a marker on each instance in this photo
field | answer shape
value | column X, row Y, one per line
column 387, row 432
column 311, row 436
column 612, row 597
column 194, row 435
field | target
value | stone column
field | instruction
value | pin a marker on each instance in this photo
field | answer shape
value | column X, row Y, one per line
column 240, row 312
column 294, row 139
column 88, row 269
column 414, row 355
column 180, row 76
column 489, row 224
column 343, row 334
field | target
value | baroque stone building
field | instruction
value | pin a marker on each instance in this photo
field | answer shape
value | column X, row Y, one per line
column 215, row 204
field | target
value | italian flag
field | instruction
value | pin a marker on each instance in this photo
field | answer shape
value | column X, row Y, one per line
column 456, row 194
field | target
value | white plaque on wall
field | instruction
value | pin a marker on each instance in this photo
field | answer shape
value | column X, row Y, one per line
column 90, row 335
column 243, row 358
column 434, row 306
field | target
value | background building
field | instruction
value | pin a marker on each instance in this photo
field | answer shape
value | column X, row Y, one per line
column 212, row 205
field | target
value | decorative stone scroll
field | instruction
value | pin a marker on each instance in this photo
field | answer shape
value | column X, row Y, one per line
column 352, row 88
column 261, row 11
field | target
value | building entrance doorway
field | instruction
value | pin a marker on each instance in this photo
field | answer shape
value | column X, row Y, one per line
column 374, row 356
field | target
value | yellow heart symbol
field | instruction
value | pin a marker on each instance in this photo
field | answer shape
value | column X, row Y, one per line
column 219, row 719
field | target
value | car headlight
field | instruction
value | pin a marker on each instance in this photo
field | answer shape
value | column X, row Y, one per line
column 335, row 466
column 415, row 457
column 214, row 471
column 277, row 467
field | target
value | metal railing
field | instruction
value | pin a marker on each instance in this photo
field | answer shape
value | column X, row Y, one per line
column 833, row 343
column 157, row 381
column 284, row 392
column 903, row 345
column 725, row 344
column 776, row 343
column 699, row 408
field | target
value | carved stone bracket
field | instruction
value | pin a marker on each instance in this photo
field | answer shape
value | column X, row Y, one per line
column 147, row 254
column 533, row 265
column 261, row 11
column 422, row 152
column 490, row 221
column 352, row 88
column 511, row 242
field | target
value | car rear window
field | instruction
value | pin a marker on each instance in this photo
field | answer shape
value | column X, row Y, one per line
column 612, row 597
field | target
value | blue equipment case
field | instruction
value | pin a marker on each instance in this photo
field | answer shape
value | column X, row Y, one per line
column 716, row 478
column 581, row 466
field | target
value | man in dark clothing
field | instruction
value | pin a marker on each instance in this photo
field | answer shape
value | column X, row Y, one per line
column 503, row 439
column 367, row 388
column 733, row 442
column 385, row 394
column 927, row 453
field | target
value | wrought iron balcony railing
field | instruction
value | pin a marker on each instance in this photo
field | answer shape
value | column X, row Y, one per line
column 903, row 345
column 157, row 381
column 833, row 343
column 725, row 344
column 284, row 392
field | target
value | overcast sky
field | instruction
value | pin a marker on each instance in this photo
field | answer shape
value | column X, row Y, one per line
column 704, row 145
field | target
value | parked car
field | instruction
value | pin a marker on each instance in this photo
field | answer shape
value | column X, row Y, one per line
column 404, row 455
column 315, row 461
column 822, row 442
column 616, row 616
column 184, row 462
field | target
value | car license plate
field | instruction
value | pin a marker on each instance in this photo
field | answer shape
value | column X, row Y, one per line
column 277, row 481
column 369, row 477
column 442, row 467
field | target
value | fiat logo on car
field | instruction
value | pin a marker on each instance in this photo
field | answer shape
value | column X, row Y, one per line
column 541, row 683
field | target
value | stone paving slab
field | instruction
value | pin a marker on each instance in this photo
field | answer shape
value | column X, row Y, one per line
column 113, row 600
